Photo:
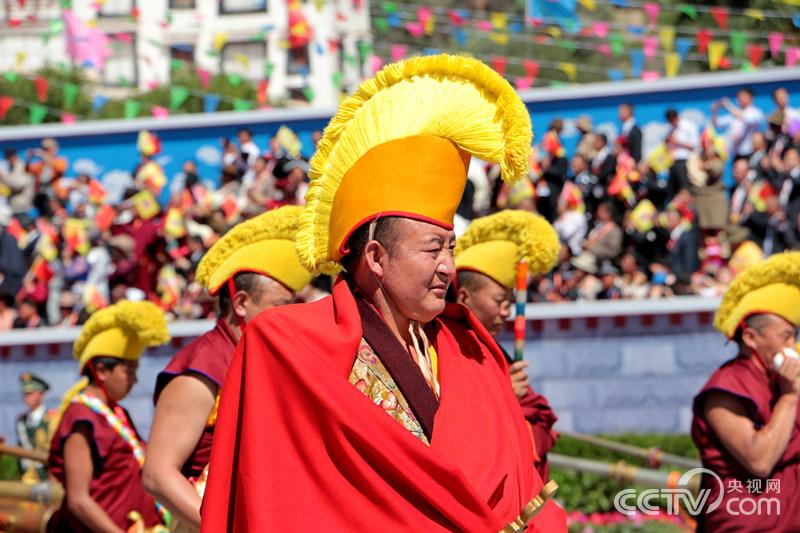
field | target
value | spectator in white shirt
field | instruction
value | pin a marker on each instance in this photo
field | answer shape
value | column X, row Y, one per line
column 747, row 120
column 247, row 147
column 781, row 98
column 682, row 141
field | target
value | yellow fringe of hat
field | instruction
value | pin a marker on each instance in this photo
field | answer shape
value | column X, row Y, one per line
column 494, row 244
column 264, row 244
column 123, row 331
column 400, row 146
column 771, row 286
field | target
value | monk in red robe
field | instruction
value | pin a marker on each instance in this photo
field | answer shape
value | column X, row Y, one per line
column 252, row 267
column 96, row 452
column 486, row 260
column 380, row 407
column 746, row 422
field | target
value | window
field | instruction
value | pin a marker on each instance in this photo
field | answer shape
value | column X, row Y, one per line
column 182, row 52
column 298, row 61
column 182, row 4
column 120, row 68
column 116, row 8
column 228, row 7
column 246, row 59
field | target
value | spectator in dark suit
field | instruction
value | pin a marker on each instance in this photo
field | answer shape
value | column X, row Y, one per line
column 631, row 134
column 604, row 164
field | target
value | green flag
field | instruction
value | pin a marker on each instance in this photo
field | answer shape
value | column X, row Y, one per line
column 567, row 44
column 364, row 48
column 688, row 10
column 268, row 68
column 70, row 94
column 308, row 92
column 242, row 105
column 177, row 96
column 234, row 79
column 132, row 108
column 617, row 42
column 350, row 60
column 389, row 7
column 336, row 78
column 381, row 24
column 37, row 113
column 175, row 64
column 738, row 40
column 10, row 76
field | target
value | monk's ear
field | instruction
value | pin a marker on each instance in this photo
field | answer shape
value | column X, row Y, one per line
column 749, row 339
column 463, row 296
column 375, row 256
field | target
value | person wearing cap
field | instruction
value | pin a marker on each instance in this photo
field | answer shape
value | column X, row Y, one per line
column 33, row 426
column 96, row 452
column 251, row 268
column 380, row 407
column 486, row 264
column 745, row 421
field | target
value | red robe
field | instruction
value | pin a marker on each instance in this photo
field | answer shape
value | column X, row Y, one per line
column 298, row 448
column 116, row 483
column 742, row 378
column 541, row 417
column 208, row 355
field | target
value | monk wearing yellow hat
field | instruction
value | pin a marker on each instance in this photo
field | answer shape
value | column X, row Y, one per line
column 251, row 268
column 746, row 422
column 379, row 407
column 96, row 452
column 487, row 256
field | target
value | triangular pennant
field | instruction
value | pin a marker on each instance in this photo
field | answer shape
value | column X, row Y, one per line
column 499, row 64
column 42, row 84
column 738, row 40
column 652, row 10
column 672, row 64
column 720, row 14
column 531, row 68
column 703, row 38
column 177, row 96
column 775, row 43
column 38, row 112
column 666, row 35
column 755, row 52
column 131, row 109
column 210, row 102
column 6, row 103
column 716, row 50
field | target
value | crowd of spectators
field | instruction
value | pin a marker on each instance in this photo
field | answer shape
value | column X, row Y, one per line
column 632, row 225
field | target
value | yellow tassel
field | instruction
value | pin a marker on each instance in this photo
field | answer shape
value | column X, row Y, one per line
column 65, row 401
column 457, row 98
column 780, row 268
column 536, row 240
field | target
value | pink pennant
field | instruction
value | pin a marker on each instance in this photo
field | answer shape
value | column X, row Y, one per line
column 398, row 52
column 85, row 44
column 423, row 15
column 455, row 18
column 604, row 49
column 649, row 45
column 650, row 75
column 531, row 68
column 204, row 76
column 415, row 29
column 67, row 118
column 792, row 55
column 600, row 29
column 523, row 83
column 375, row 64
column 160, row 112
column 775, row 42
column 123, row 37
column 484, row 25
column 652, row 9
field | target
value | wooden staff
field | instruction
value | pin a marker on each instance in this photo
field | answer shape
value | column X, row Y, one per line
column 653, row 456
column 519, row 319
column 46, row 492
column 23, row 453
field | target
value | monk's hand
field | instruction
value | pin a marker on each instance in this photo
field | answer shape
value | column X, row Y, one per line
column 519, row 378
column 789, row 376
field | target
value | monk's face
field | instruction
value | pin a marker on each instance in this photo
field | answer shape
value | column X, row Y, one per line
column 489, row 301
column 269, row 293
column 771, row 337
column 119, row 381
column 418, row 268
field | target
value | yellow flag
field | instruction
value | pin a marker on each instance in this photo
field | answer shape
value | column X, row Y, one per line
column 220, row 38
column 672, row 64
column 499, row 38
column 554, row 31
column 145, row 204
column 667, row 36
column 173, row 223
column 716, row 50
column 659, row 159
column 499, row 21
column 430, row 25
column 755, row 13
column 568, row 69
column 588, row 4
column 243, row 60
column 21, row 57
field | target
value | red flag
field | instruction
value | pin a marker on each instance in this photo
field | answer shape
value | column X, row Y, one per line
column 261, row 96
column 756, row 53
column 720, row 14
column 5, row 104
column 499, row 64
column 703, row 38
column 41, row 270
column 105, row 217
column 42, row 85
column 16, row 230
column 456, row 18
column 531, row 68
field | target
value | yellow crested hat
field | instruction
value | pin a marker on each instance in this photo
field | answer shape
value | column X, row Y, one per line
column 122, row 330
column 401, row 146
column 493, row 245
column 264, row 244
column 771, row 286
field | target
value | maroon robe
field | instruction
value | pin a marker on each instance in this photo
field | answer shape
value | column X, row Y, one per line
column 541, row 418
column 208, row 355
column 116, row 483
column 742, row 378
